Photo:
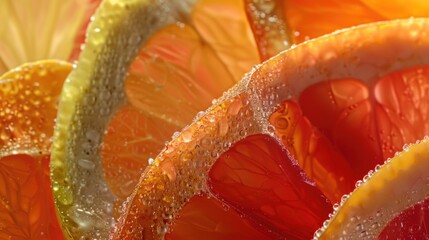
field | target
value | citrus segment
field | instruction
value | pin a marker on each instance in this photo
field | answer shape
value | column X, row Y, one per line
column 367, row 125
column 257, row 177
column 175, row 83
column 412, row 223
column 314, row 152
column 37, row 30
column 181, row 171
column 403, row 97
column 177, row 73
column 26, row 206
column 128, row 146
column 223, row 27
column 399, row 184
column 28, row 106
column 204, row 217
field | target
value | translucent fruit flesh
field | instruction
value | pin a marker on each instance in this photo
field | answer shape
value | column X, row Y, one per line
column 27, row 208
column 92, row 172
column 386, row 197
column 183, row 169
column 178, row 73
column 28, row 109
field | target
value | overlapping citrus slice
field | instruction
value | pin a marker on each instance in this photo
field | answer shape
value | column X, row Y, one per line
column 269, row 163
column 277, row 25
column 94, row 169
column 399, row 186
column 27, row 111
column 181, row 68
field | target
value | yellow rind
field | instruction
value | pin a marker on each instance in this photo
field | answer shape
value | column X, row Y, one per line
column 400, row 183
column 91, row 94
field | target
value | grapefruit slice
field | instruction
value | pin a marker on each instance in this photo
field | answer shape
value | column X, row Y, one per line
column 218, row 158
column 27, row 112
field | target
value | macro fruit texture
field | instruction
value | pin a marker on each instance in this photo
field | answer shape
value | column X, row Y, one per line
column 267, row 160
column 215, row 158
column 27, row 111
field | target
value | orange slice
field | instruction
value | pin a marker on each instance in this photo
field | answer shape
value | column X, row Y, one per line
column 234, row 155
column 27, row 111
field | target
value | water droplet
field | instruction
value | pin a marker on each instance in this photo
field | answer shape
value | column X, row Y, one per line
column 86, row 164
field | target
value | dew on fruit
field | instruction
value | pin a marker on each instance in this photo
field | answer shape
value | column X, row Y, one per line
column 86, row 164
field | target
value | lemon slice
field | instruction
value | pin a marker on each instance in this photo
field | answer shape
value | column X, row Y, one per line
column 92, row 92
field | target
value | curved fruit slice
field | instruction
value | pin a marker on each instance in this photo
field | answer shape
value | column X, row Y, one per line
column 28, row 105
column 400, row 183
column 179, row 70
column 177, row 73
column 218, row 156
column 27, row 111
column 271, row 32
column 277, row 25
column 37, row 30
column 91, row 95
column 334, row 15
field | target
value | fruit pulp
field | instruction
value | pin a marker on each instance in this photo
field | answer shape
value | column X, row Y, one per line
column 26, row 201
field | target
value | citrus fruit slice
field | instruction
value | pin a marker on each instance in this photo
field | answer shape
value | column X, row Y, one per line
column 37, row 30
column 181, row 69
column 27, row 111
column 234, row 155
column 277, row 25
column 271, row 32
column 399, row 186
column 161, row 79
column 333, row 15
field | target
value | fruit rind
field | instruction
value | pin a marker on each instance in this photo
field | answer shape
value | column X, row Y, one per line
column 401, row 182
column 91, row 94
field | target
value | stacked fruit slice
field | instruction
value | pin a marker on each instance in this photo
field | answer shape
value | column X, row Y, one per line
column 267, row 160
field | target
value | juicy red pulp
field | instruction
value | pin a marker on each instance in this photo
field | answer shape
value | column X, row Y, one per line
column 263, row 188
column 332, row 136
